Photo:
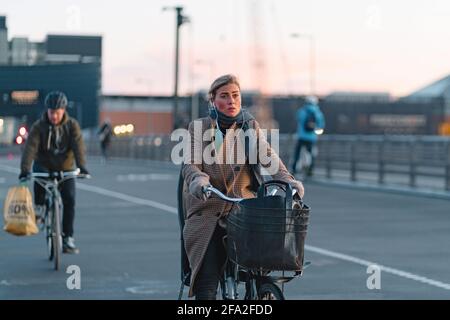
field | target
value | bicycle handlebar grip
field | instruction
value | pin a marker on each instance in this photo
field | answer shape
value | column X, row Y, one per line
column 206, row 191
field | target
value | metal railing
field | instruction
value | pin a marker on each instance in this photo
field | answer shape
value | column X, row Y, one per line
column 415, row 161
column 151, row 147
column 408, row 160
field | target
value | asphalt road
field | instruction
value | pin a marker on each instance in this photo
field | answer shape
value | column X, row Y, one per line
column 127, row 230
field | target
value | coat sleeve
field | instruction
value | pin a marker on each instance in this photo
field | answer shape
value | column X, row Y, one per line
column 192, row 171
column 320, row 119
column 272, row 164
column 31, row 148
column 77, row 144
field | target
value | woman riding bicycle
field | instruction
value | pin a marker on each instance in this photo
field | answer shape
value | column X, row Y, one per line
column 205, row 217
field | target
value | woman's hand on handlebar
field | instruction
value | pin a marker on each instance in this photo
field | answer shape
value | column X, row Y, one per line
column 206, row 192
column 297, row 185
column 196, row 187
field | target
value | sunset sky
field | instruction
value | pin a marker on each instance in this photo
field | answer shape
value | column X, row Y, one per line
column 360, row 45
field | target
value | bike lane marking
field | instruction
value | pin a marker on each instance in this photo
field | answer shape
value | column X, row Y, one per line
column 125, row 197
column 386, row 269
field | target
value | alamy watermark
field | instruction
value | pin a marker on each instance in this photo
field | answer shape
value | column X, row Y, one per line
column 73, row 282
column 198, row 146
column 374, row 17
column 374, row 280
column 73, row 22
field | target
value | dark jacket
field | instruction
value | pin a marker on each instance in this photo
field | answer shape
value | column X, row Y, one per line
column 54, row 147
column 302, row 117
column 105, row 133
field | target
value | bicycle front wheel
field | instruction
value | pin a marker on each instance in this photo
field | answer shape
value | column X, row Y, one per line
column 270, row 291
column 56, row 236
column 49, row 234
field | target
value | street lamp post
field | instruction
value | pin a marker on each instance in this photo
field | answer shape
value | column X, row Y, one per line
column 195, row 97
column 312, row 62
column 180, row 19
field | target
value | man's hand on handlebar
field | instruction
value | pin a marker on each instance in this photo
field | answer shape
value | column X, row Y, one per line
column 24, row 176
column 84, row 172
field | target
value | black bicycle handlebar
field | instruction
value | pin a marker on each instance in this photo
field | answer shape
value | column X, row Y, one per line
column 63, row 175
column 208, row 190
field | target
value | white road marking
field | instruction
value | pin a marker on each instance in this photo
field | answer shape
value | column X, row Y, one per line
column 317, row 250
column 146, row 177
column 125, row 197
column 9, row 169
column 366, row 263
column 150, row 287
column 5, row 283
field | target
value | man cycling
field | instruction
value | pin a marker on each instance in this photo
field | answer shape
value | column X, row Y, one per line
column 53, row 144
column 309, row 119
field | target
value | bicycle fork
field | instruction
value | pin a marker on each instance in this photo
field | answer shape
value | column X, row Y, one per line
column 228, row 283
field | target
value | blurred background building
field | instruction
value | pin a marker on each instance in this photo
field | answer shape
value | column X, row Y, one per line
column 29, row 70
column 345, row 112
column 73, row 64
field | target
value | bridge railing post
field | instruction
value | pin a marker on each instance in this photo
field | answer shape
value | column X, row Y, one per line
column 328, row 158
column 412, row 162
column 353, row 143
column 381, row 160
column 447, row 166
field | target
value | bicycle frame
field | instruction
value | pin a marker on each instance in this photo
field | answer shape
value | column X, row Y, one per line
column 54, row 208
column 253, row 279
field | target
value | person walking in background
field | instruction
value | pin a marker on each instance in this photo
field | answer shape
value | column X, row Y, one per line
column 310, row 123
column 105, row 133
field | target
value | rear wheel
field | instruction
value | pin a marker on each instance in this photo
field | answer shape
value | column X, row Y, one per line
column 270, row 291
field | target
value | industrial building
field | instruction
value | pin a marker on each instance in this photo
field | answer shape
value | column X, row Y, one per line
column 29, row 70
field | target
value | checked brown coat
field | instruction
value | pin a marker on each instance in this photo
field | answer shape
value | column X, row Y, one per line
column 234, row 180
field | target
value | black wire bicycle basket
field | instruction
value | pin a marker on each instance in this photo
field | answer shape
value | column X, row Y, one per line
column 267, row 232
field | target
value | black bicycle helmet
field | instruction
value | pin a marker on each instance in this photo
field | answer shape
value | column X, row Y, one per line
column 56, row 100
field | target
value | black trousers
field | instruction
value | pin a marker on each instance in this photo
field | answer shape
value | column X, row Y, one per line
column 298, row 147
column 104, row 146
column 67, row 189
column 207, row 279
